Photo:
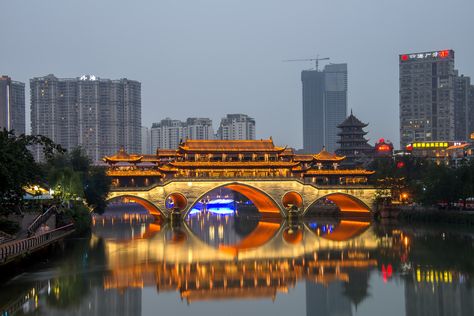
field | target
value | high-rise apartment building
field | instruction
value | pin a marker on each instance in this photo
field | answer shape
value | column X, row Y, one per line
column 100, row 115
column 427, row 97
column 12, row 105
column 146, row 141
column 324, row 106
column 199, row 128
column 236, row 127
column 169, row 133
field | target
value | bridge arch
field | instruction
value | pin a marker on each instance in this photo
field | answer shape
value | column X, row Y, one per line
column 292, row 198
column 176, row 200
column 346, row 203
column 265, row 204
column 149, row 206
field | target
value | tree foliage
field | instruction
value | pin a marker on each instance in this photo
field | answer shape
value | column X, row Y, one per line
column 73, row 177
column 18, row 168
column 424, row 180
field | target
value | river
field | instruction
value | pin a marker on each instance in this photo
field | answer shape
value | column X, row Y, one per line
column 224, row 263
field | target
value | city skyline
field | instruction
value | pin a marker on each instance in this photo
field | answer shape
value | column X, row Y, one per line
column 204, row 51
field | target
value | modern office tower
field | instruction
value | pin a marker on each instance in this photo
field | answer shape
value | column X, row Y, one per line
column 199, row 128
column 100, row 115
column 324, row 106
column 12, row 105
column 167, row 134
column 146, row 141
column 462, row 85
column 427, row 82
column 471, row 112
column 236, row 127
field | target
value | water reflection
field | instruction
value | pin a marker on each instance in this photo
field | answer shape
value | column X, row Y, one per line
column 341, row 265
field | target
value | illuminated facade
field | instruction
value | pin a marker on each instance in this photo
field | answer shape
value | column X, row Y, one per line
column 435, row 100
column 12, row 105
column 217, row 159
column 441, row 152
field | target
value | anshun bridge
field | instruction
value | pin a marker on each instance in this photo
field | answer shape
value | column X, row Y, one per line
column 276, row 180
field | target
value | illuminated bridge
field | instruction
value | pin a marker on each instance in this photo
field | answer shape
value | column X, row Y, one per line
column 275, row 179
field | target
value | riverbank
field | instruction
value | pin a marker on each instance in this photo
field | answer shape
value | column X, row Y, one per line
column 426, row 215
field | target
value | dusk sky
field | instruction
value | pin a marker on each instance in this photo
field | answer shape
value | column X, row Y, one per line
column 207, row 58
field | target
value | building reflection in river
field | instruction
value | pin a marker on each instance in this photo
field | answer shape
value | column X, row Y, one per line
column 251, row 259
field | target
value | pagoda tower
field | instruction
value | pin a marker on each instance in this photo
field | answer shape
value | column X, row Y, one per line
column 352, row 143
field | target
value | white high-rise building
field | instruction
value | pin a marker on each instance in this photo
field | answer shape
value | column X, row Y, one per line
column 199, row 128
column 236, row 127
column 167, row 134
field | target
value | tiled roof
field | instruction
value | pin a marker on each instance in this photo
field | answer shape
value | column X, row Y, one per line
column 230, row 145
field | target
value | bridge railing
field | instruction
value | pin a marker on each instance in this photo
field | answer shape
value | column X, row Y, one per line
column 10, row 250
column 204, row 179
column 40, row 220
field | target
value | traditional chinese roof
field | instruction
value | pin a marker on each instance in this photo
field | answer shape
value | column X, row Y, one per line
column 288, row 152
column 168, row 169
column 302, row 157
column 233, row 164
column 325, row 156
column 135, row 173
column 161, row 152
column 209, row 146
column 352, row 121
column 123, row 156
column 352, row 172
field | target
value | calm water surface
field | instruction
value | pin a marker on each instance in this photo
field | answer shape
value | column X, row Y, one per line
column 237, row 265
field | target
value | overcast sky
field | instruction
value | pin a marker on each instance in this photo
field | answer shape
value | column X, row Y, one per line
column 208, row 58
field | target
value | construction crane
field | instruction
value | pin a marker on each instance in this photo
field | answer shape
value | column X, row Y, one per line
column 317, row 59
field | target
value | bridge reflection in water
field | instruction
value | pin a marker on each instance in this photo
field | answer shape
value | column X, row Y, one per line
column 215, row 257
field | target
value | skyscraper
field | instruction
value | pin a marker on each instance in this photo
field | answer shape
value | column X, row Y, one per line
column 427, row 106
column 324, row 106
column 236, row 127
column 12, row 105
column 100, row 115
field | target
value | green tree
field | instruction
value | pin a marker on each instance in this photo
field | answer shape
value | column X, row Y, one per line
column 18, row 168
column 97, row 187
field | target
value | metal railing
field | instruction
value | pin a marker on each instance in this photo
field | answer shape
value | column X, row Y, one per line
column 4, row 237
column 40, row 220
column 13, row 249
